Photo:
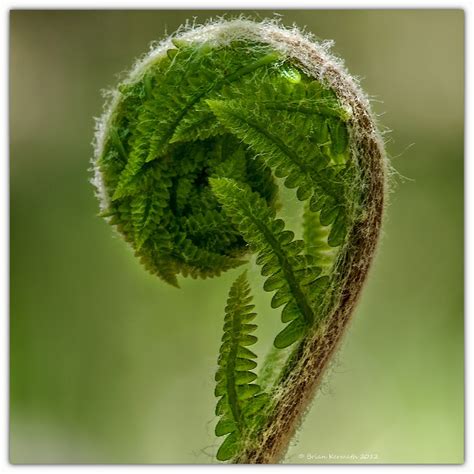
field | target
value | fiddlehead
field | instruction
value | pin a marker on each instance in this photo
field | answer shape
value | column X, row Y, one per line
column 189, row 158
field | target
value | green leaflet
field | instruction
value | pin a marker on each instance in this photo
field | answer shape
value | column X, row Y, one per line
column 239, row 398
column 315, row 236
column 291, row 274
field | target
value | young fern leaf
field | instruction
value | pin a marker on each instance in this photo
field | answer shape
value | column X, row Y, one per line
column 293, row 275
column 189, row 159
column 240, row 399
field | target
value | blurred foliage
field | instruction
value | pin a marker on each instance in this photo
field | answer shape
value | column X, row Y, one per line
column 110, row 365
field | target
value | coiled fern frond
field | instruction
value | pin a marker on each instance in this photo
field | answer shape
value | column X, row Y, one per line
column 190, row 156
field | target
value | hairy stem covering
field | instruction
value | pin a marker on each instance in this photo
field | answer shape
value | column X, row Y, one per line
column 189, row 157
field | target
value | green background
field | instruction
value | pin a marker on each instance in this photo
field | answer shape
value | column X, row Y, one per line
column 110, row 365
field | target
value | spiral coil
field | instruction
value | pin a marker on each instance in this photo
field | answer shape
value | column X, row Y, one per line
column 169, row 132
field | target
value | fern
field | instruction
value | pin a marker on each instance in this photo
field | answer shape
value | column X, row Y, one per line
column 290, row 273
column 240, row 399
column 191, row 155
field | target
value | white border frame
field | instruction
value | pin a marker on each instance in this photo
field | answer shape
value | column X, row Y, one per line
column 7, row 5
